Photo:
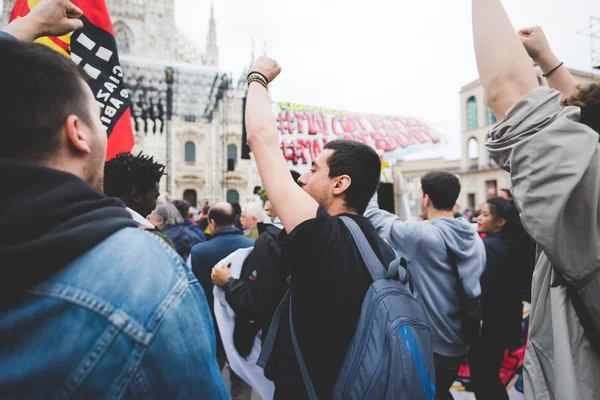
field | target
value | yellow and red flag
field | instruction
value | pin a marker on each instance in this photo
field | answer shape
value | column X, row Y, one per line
column 94, row 49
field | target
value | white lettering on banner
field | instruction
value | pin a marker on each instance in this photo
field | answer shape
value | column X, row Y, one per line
column 103, row 95
column 110, row 111
column 110, row 99
column 116, row 103
column 110, row 86
column 118, row 71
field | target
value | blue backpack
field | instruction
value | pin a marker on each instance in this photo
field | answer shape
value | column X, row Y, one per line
column 390, row 356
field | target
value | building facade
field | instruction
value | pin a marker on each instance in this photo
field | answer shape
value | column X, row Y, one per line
column 480, row 176
column 185, row 111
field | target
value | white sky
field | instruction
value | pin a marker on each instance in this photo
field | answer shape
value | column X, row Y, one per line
column 404, row 58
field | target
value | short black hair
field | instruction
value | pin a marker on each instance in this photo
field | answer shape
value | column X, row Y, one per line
column 43, row 88
column 442, row 188
column 361, row 163
column 183, row 207
column 256, row 189
column 222, row 216
column 125, row 171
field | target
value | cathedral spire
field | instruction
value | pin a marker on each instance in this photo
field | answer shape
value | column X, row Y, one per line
column 212, row 51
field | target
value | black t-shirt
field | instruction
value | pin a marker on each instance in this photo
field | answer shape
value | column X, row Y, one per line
column 329, row 283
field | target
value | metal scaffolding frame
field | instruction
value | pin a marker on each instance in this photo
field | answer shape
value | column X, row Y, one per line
column 593, row 33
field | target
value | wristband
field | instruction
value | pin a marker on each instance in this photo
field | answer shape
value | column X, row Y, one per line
column 259, row 79
column 546, row 75
column 258, row 73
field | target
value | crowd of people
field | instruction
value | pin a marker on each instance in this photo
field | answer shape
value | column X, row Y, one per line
column 109, row 291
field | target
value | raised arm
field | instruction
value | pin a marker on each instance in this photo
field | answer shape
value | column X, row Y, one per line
column 539, row 50
column 293, row 204
column 505, row 70
column 48, row 18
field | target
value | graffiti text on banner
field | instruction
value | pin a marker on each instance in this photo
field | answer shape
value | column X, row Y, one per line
column 304, row 130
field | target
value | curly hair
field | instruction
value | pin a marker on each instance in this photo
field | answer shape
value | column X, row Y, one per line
column 587, row 98
column 126, row 170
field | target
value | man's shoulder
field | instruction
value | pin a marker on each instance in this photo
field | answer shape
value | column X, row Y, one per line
column 132, row 269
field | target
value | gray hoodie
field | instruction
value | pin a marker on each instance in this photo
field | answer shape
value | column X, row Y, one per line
column 423, row 245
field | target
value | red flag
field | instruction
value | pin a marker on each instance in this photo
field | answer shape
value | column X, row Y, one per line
column 94, row 49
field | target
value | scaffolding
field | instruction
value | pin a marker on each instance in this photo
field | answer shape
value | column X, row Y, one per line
column 593, row 32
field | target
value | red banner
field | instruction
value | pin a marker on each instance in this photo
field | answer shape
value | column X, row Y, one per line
column 94, row 49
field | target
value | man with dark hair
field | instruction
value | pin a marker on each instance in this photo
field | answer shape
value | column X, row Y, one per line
column 71, row 259
column 135, row 180
column 329, row 278
column 436, row 252
column 204, row 256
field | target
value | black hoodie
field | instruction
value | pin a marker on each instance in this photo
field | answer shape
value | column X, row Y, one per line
column 49, row 218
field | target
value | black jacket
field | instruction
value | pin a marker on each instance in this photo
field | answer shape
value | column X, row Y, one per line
column 255, row 296
column 500, row 290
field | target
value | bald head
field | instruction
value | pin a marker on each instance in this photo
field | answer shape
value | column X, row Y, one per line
column 221, row 215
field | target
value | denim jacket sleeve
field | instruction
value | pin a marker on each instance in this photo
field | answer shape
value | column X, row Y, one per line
column 181, row 360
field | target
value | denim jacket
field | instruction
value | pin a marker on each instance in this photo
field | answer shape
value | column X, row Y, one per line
column 127, row 320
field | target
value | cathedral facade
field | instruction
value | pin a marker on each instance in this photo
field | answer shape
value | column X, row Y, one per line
column 185, row 111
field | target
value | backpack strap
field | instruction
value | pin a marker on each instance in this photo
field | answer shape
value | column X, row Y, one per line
column 267, row 347
column 312, row 395
column 269, row 342
column 372, row 262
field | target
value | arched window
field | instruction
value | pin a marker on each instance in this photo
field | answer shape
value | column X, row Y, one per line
column 124, row 38
column 472, row 113
column 191, row 197
column 491, row 118
column 473, row 149
column 190, row 152
column 233, row 196
column 231, row 157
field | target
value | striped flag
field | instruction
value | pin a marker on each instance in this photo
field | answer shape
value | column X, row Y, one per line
column 94, row 49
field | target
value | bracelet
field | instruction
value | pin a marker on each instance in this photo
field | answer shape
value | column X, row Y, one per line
column 258, row 73
column 259, row 79
column 546, row 75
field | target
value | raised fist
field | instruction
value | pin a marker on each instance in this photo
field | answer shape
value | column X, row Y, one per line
column 55, row 17
column 266, row 66
column 48, row 18
column 535, row 43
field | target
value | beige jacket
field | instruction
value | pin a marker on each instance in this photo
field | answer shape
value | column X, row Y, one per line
column 554, row 165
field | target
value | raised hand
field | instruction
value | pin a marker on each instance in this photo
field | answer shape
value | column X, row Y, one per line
column 536, row 44
column 48, row 18
column 266, row 66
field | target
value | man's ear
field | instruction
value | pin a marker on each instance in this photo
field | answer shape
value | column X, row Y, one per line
column 76, row 137
column 341, row 184
column 426, row 201
column 135, row 194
